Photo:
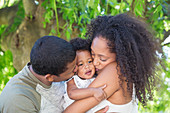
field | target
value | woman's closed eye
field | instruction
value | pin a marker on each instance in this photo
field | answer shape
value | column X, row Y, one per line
column 103, row 60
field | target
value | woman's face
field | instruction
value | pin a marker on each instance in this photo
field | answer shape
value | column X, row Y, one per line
column 101, row 54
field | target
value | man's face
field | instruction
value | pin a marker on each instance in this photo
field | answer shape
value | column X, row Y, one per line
column 71, row 68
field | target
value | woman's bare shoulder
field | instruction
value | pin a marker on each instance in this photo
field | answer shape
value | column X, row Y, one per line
column 108, row 76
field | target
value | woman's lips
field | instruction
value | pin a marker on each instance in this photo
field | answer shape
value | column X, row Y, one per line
column 97, row 69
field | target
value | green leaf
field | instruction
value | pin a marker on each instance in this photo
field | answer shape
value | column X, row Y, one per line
column 91, row 3
column 158, row 9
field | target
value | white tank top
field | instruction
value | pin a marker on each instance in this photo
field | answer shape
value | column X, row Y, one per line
column 131, row 107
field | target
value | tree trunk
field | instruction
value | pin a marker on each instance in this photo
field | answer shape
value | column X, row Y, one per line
column 21, row 41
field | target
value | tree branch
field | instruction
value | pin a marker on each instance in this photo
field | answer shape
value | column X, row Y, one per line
column 7, row 15
column 132, row 6
column 29, row 7
column 145, row 8
column 166, row 34
column 166, row 44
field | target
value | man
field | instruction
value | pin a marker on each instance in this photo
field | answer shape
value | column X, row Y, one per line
column 52, row 59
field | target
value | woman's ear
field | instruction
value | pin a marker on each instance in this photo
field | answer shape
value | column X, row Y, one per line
column 49, row 77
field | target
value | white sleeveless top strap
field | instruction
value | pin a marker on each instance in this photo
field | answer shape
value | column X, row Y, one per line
column 131, row 107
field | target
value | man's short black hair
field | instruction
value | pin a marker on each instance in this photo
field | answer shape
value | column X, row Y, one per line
column 50, row 55
column 80, row 44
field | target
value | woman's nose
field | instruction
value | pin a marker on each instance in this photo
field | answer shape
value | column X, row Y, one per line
column 95, row 62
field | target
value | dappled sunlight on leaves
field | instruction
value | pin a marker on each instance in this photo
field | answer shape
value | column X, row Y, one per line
column 76, row 14
column 7, row 71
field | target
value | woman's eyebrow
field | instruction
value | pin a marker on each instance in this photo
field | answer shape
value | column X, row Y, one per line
column 101, row 55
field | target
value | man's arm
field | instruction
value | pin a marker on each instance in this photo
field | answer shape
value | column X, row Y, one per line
column 108, row 76
column 81, row 93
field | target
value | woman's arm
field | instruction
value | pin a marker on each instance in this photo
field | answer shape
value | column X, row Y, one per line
column 108, row 76
column 81, row 93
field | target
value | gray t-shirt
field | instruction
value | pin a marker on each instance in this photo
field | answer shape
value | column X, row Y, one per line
column 20, row 95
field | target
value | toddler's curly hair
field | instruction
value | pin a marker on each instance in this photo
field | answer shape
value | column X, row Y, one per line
column 80, row 44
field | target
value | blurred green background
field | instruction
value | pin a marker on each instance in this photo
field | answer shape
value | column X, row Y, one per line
column 22, row 22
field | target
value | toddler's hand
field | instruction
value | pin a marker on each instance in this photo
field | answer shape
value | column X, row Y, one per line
column 99, row 93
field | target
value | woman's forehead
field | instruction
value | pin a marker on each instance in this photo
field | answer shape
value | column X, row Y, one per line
column 99, row 43
column 99, row 46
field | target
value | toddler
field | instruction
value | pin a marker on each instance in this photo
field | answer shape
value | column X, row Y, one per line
column 76, row 87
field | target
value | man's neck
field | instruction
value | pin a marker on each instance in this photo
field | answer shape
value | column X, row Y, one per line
column 40, row 77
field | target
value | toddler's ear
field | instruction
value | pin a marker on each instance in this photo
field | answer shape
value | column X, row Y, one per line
column 49, row 77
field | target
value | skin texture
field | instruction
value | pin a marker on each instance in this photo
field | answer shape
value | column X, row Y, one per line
column 108, row 74
column 81, row 93
column 85, row 70
column 85, row 65
column 101, row 54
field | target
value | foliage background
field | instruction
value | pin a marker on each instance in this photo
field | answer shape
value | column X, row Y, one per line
column 78, row 13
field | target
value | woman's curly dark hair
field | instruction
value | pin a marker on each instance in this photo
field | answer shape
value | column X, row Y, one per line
column 135, row 49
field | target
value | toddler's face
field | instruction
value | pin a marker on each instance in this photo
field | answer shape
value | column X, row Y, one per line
column 85, row 65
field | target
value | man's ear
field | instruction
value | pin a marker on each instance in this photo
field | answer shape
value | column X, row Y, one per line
column 49, row 77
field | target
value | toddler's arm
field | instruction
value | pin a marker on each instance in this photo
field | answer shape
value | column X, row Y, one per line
column 81, row 93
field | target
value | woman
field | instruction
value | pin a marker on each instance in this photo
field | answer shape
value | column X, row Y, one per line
column 124, row 54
